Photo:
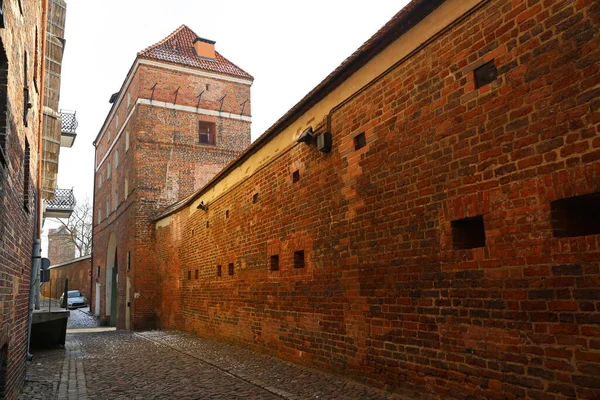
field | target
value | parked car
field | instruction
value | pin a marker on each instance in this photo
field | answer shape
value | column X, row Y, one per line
column 75, row 299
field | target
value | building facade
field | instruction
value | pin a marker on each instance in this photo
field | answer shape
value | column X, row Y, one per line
column 181, row 115
column 427, row 217
column 21, row 86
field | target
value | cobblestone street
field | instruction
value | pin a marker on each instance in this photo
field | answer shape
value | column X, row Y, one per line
column 174, row 365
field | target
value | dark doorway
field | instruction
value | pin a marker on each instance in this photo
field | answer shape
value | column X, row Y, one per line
column 3, row 370
column 113, row 294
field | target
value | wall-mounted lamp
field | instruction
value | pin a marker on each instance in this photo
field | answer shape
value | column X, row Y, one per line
column 306, row 136
column 202, row 206
column 323, row 140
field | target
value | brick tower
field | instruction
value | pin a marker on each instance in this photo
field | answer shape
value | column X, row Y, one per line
column 60, row 246
column 182, row 114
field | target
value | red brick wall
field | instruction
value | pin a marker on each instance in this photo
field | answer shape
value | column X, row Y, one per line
column 385, row 296
column 165, row 163
column 17, row 221
column 78, row 273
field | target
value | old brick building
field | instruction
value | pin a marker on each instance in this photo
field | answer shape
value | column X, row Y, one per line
column 428, row 216
column 30, row 46
column 181, row 115
column 22, row 36
column 61, row 247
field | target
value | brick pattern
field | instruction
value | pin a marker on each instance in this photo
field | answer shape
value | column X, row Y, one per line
column 16, row 223
column 164, row 163
column 384, row 295
column 78, row 273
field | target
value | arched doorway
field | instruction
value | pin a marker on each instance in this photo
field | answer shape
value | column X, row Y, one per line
column 111, row 280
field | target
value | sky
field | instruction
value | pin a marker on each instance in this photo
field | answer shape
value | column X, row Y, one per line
column 289, row 47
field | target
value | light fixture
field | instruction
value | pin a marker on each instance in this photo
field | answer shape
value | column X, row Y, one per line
column 306, row 136
column 202, row 206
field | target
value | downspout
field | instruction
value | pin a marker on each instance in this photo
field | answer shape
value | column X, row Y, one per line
column 37, row 228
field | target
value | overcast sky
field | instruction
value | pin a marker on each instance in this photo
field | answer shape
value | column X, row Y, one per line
column 289, row 47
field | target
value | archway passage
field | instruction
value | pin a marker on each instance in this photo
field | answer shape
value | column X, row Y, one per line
column 3, row 370
column 110, row 308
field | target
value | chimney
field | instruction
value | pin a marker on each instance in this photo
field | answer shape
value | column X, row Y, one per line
column 204, row 48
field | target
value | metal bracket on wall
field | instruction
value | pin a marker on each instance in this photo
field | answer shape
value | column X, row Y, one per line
column 152, row 96
column 243, row 106
column 221, row 101
column 199, row 97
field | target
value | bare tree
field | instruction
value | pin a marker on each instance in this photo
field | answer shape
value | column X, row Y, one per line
column 79, row 227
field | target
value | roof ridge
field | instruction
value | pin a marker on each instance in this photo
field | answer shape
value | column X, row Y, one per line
column 166, row 39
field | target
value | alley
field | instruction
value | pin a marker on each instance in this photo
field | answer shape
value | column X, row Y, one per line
column 174, row 365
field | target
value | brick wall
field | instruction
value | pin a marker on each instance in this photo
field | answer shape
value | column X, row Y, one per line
column 60, row 246
column 17, row 211
column 165, row 163
column 394, row 288
column 76, row 271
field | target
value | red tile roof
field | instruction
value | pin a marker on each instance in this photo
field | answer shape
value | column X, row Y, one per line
column 178, row 48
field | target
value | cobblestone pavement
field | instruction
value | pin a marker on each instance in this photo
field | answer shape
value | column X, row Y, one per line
column 81, row 318
column 174, row 365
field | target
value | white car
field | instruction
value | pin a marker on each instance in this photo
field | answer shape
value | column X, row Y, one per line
column 74, row 299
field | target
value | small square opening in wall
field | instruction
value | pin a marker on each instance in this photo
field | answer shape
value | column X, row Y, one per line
column 299, row 259
column 274, row 262
column 227, row 214
column 189, row 275
column 255, row 198
column 196, row 275
column 230, row 269
column 576, row 216
column 485, row 74
column 296, row 176
column 219, row 270
column 468, row 233
column 360, row 141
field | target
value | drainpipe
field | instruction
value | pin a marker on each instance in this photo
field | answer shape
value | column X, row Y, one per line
column 37, row 255
column 37, row 230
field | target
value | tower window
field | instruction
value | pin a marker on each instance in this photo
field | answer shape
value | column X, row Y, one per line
column 219, row 270
column 231, row 269
column 206, row 131
column 296, row 176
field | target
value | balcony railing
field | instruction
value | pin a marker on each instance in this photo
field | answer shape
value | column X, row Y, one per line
column 68, row 128
column 62, row 206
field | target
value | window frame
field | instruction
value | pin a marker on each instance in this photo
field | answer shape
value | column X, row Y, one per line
column 207, row 130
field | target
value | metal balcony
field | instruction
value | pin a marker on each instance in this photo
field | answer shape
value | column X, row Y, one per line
column 68, row 128
column 62, row 206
